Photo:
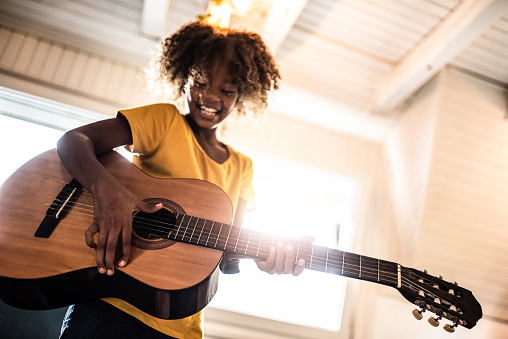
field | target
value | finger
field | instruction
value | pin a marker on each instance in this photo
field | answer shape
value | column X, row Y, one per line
column 146, row 207
column 126, row 248
column 299, row 268
column 289, row 260
column 109, row 255
column 279, row 258
column 99, row 254
column 90, row 233
column 267, row 265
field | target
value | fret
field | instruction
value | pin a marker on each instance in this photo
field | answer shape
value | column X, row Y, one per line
column 179, row 225
column 206, row 230
column 343, row 253
column 319, row 254
column 237, row 239
column 259, row 245
column 247, row 245
column 254, row 245
column 360, row 270
column 201, row 232
column 227, row 238
column 235, row 233
column 209, row 233
column 184, row 228
column 311, row 255
column 218, row 235
column 352, row 264
column 194, row 229
column 326, row 261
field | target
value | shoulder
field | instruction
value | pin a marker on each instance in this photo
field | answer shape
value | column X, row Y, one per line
column 244, row 161
column 152, row 109
column 156, row 116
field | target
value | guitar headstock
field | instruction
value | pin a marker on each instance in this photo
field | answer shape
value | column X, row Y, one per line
column 444, row 299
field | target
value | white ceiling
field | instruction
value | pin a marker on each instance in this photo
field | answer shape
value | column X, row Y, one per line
column 346, row 64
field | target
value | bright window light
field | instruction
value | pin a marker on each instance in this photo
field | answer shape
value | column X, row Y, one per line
column 21, row 141
column 293, row 199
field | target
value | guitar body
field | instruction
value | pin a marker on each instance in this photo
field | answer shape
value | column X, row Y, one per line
column 166, row 280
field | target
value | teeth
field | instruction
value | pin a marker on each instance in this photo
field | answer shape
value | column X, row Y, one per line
column 208, row 110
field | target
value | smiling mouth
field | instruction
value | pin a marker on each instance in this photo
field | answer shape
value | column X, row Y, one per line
column 208, row 111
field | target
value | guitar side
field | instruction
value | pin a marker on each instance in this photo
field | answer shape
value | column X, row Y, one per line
column 43, row 273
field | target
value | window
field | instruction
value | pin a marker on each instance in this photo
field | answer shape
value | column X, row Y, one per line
column 30, row 125
column 21, row 141
column 293, row 199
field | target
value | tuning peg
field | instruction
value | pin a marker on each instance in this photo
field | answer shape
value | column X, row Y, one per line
column 418, row 313
column 450, row 328
column 434, row 321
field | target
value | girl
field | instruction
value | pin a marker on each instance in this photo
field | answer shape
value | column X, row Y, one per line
column 219, row 72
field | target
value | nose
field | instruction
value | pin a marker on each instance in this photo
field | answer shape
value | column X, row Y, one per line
column 211, row 93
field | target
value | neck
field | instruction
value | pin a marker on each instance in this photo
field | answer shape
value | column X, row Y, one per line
column 245, row 243
column 208, row 136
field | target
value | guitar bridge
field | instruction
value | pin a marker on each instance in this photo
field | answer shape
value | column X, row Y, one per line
column 57, row 209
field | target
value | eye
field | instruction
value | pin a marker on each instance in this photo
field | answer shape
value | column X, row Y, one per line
column 199, row 83
column 228, row 92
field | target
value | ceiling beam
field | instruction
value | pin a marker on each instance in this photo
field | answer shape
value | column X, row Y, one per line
column 154, row 18
column 279, row 21
column 457, row 32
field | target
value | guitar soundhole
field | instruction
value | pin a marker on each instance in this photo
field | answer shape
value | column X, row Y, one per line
column 150, row 229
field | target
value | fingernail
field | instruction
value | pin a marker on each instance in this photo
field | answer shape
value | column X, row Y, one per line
column 102, row 270
column 280, row 244
column 110, row 272
column 289, row 248
column 121, row 263
column 272, row 249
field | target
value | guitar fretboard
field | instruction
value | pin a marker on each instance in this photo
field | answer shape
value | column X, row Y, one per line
column 253, row 244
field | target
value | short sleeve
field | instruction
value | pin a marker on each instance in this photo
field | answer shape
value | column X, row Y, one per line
column 149, row 124
column 247, row 188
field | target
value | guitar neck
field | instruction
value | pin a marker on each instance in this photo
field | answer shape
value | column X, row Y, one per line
column 256, row 245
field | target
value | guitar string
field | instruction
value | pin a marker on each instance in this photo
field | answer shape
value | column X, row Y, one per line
column 405, row 281
column 330, row 262
column 240, row 242
column 350, row 269
column 371, row 273
column 333, row 264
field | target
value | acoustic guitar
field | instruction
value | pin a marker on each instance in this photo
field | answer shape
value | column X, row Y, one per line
column 173, row 268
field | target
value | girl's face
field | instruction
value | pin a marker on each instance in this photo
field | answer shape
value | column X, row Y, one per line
column 212, row 97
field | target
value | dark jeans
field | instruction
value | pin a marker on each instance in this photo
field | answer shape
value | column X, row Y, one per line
column 99, row 320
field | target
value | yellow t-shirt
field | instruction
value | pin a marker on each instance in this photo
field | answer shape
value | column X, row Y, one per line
column 165, row 147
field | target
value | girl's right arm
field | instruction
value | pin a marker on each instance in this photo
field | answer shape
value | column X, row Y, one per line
column 113, row 204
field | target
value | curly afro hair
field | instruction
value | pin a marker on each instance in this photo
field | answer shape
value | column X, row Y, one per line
column 196, row 46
